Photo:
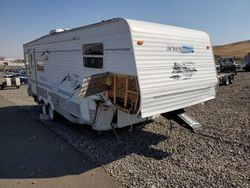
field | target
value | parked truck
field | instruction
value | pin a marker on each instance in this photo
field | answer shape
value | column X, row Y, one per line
column 226, row 70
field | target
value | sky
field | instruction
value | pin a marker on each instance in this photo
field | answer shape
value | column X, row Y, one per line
column 21, row 21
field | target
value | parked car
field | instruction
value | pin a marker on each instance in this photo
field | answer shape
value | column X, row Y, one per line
column 23, row 77
column 9, row 75
column 23, row 80
column 238, row 66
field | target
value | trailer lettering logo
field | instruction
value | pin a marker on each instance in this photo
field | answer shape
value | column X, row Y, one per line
column 183, row 71
column 182, row 49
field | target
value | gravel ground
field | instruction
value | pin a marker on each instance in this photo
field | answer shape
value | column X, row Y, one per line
column 159, row 154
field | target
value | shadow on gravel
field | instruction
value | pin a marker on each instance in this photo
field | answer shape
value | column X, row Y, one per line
column 104, row 148
column 30, row 150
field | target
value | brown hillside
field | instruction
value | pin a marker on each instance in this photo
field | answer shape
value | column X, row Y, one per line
column 238, row 49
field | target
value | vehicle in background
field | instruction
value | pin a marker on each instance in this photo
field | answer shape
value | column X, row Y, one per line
column 9, row 75
column 2, row 82
column 9, row 82
column 246, row 64
column 23, row 80
column 21, row 74
column 238, row 67
column 218, row 68
column 227, row 64
column 227, row 70
column 226, row 78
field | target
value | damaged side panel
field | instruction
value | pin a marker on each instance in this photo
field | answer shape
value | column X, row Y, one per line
column 122, row 90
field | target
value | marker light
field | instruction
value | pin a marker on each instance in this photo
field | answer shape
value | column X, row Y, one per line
column 140, row 42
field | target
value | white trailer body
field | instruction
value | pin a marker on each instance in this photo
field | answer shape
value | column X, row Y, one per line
column 119, row 72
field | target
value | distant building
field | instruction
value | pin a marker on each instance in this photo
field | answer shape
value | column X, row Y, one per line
column 12, row 62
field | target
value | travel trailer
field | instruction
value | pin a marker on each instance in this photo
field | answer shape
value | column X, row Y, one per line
column 120, row 72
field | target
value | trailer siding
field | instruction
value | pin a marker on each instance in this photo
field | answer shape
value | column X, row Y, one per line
column 65, row 53
column 161, row 88
column 159, row 92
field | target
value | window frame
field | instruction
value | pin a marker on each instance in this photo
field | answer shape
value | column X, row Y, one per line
column 27, row 63
column 39, row 67
column 31, row 60
column 84, row 55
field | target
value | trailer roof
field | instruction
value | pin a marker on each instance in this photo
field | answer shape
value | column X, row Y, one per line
column 130, row 22
column 77, row 28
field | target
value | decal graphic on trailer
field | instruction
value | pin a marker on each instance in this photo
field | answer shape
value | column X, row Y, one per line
column 182, row 49
column 183, row 71
column 187, row 49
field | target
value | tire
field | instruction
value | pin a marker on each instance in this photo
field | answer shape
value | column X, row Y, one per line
column 1, row 87
column 51, row 113
column 232, row 80
column 227, row 81
column 44, row 108
column 17, row 87
column 29, row 90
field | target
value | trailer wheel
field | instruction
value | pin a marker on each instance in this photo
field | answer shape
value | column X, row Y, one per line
column 51, row 113
column 232, row 80
column 1, row 87
column 227, row 81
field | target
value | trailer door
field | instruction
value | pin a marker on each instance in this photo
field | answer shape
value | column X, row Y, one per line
column 32, row 76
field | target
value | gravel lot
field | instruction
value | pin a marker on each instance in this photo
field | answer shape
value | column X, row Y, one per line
column 161, row 155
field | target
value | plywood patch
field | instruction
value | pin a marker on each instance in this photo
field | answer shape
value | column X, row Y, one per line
column 122, row 90
column 94, row 84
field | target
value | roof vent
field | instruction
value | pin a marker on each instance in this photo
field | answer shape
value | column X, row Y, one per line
column 53, row 31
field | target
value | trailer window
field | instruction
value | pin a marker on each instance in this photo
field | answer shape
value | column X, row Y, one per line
column 30, row 60
column 26, row 60
column 93, row 55
column 40, row 65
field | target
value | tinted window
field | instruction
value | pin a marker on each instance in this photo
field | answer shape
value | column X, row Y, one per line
column 93, row 55
column 40, row 65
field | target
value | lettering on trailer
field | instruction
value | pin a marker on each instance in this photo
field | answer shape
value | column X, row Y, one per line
column 182, row 49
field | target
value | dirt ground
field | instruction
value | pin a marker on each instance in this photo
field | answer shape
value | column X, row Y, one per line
column 33, row 156
column 160, row 155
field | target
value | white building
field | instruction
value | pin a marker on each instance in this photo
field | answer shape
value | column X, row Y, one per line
column 14, row 62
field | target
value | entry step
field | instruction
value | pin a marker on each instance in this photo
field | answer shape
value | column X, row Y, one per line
column 180, row 117
column 193, row 123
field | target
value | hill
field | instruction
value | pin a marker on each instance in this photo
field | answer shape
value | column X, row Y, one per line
column 238, row 49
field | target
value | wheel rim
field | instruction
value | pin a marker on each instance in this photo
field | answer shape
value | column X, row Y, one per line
column 51, row 113
column 44, row 109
